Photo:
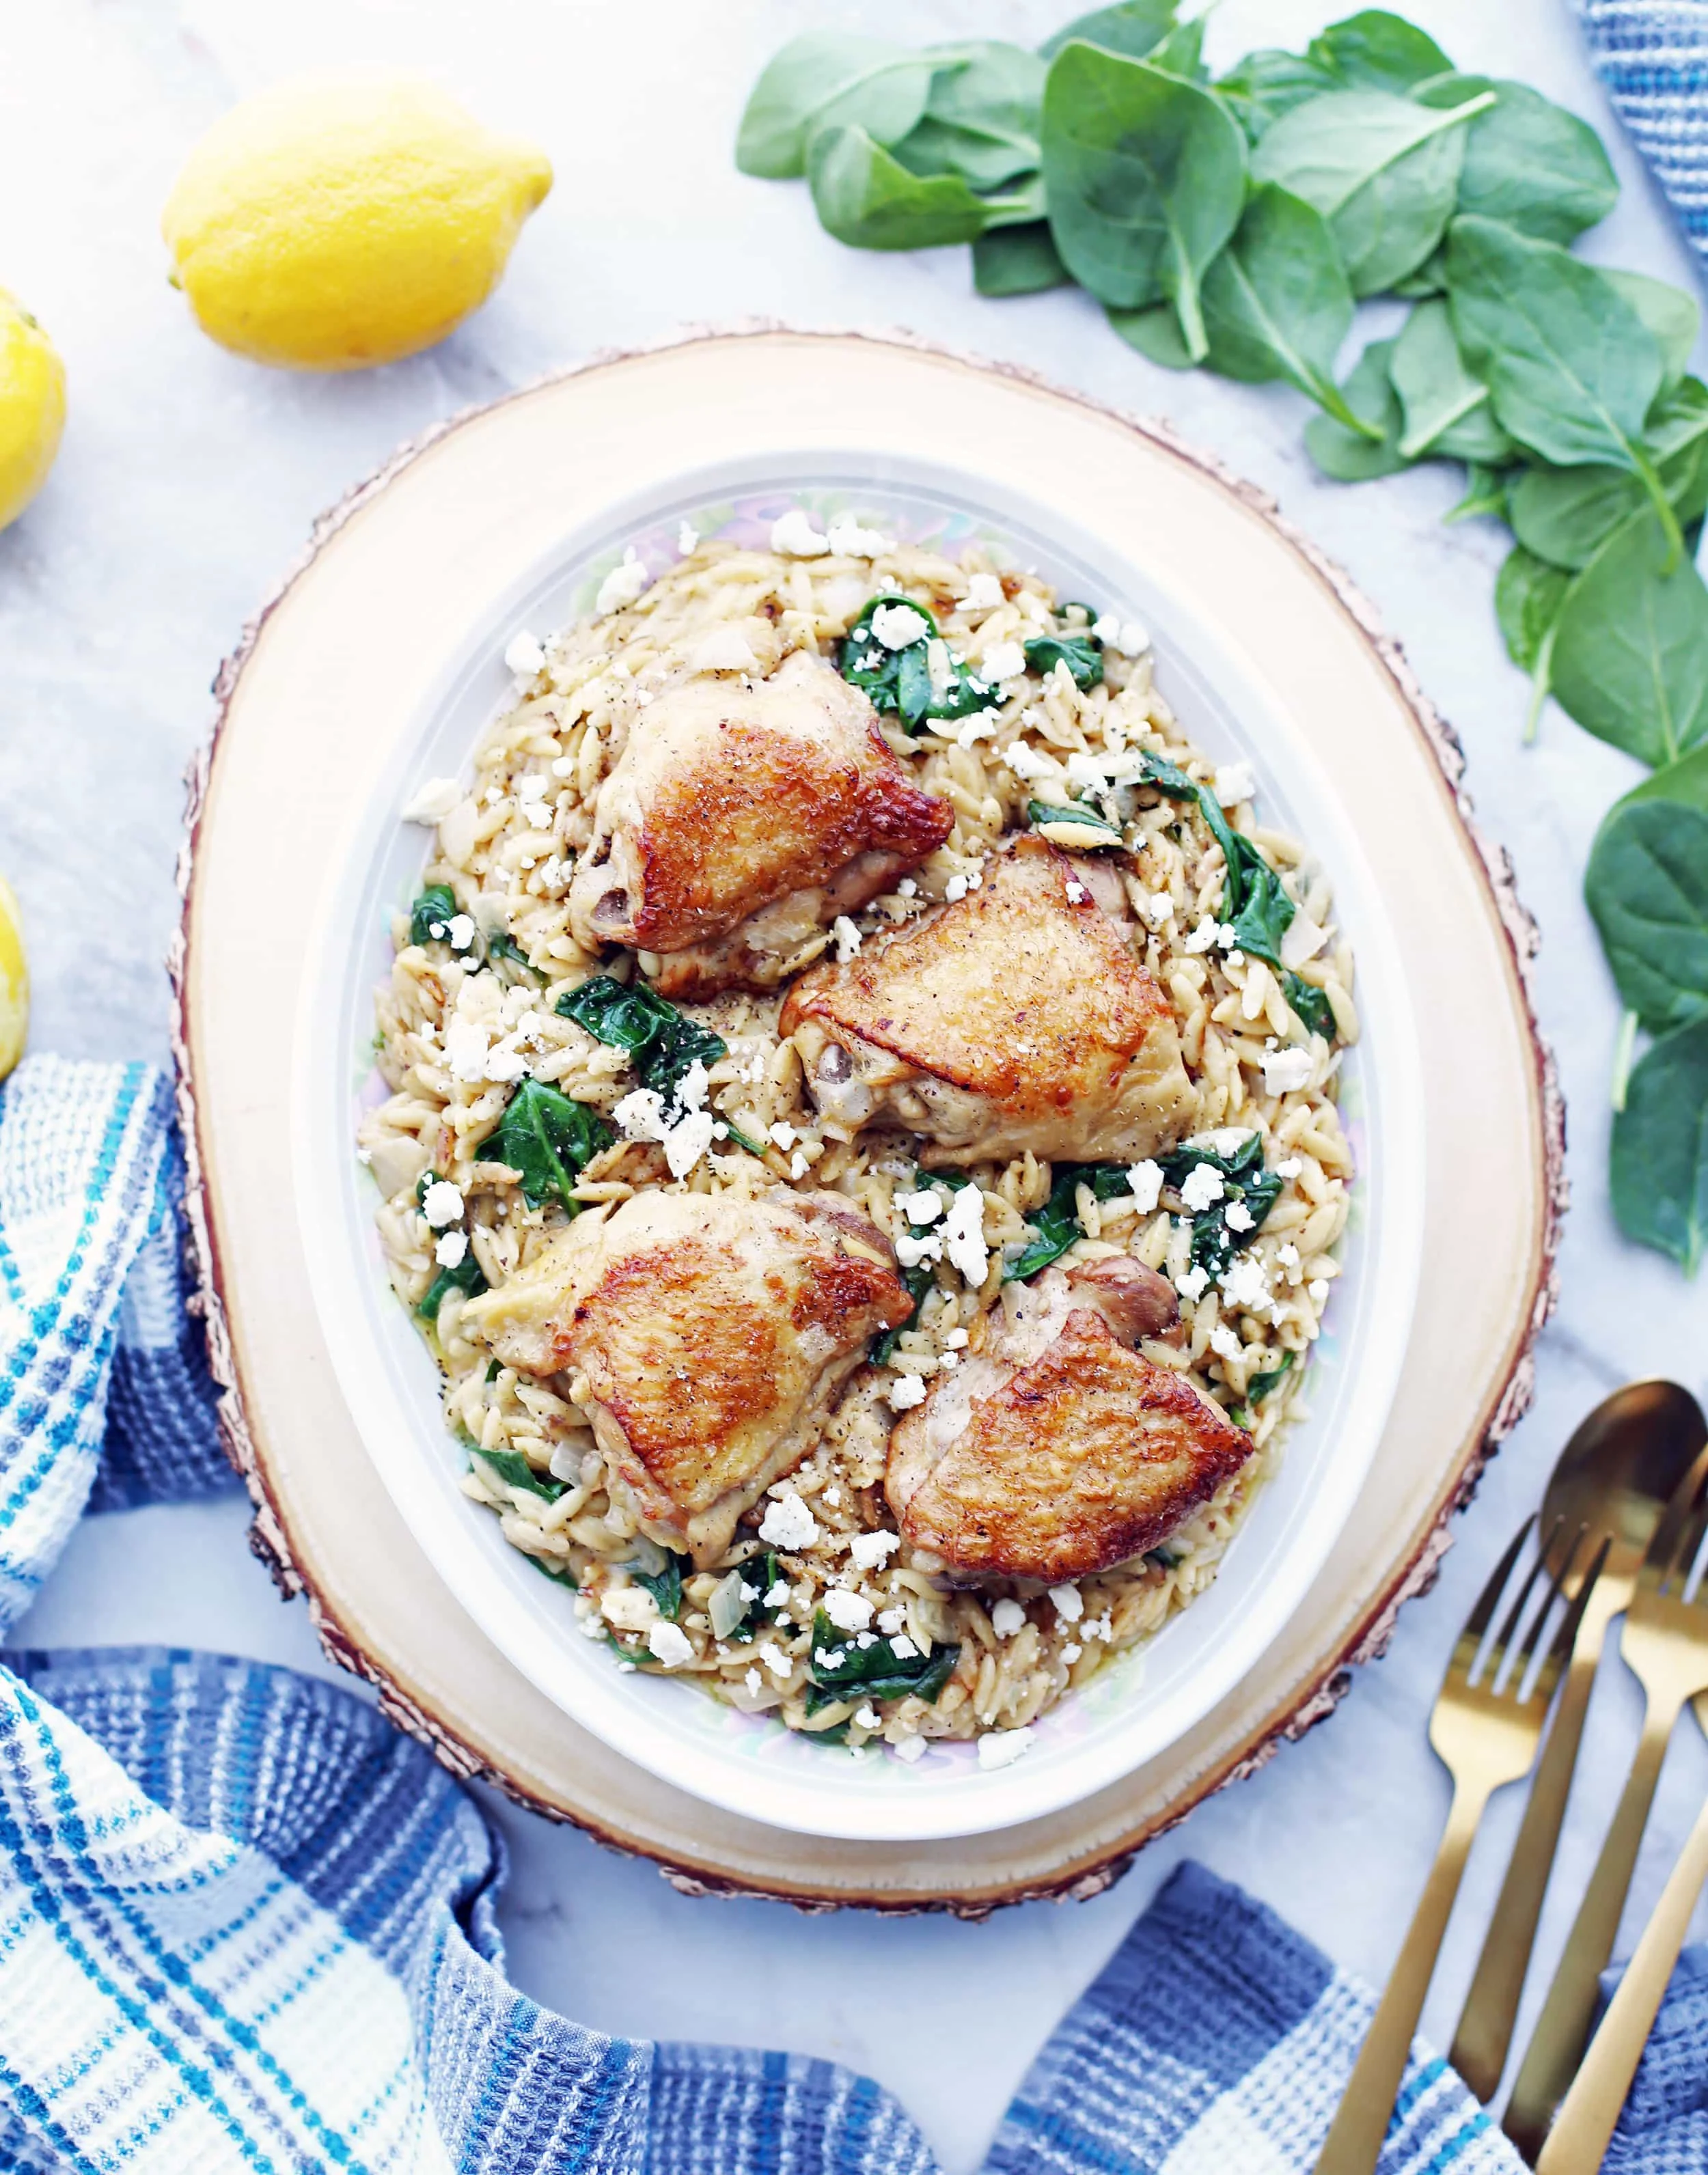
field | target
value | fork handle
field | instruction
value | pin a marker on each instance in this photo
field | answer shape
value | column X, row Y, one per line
column 1563, row 2029
column 1485, row 2023
column 1361, row 2122
column 1584, row 2126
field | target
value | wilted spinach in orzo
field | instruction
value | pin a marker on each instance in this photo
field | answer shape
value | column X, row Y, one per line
column 1235, row 221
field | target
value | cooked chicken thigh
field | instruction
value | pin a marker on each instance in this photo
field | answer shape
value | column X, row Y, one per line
column 1014, row 1018
column 1058, row 1450
column 741, row 817
column 715, row 1334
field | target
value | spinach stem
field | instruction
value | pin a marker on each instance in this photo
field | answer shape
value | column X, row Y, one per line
column 1648, row 476
column 1541, row 685
column 1187, row 310
column 1622, row 1059
column 1333, row 402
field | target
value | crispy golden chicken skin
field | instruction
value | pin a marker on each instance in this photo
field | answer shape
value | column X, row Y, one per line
column 714, row 1333
column 1060, row 1450
column 741, row 815
column 1015, row 1018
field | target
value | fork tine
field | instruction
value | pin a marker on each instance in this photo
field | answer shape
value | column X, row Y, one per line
column 1469, row 1642
column 1565, row 1638
column 1680, row 1516
column 1515, row 1615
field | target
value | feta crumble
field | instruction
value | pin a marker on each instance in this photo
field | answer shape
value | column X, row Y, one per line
column 523, row 656
column 955, row 890
column 1226, row 1344
column 775, row 1659
column 1070, row 1602
column 669, row 1643
column 850, row 541
column 782, row 1133
column 799, row 1163
column 908, row 1749
column 432, row 802
column 441, row 1204
column 963, row 1235
column 788, row 1523
column 1002, row 661
column 623, row 584
column 984, row 592
column 1202, row 1188
column 794, row 536
column 1238, row 1217
column 1146, row 1179
column 913, row 1247
column 1244, row 1284
column 687, row 1141
column 1008, row 1617
column 1027, row 764
column 925, row 1206
column 687, row 538
column 450, row 1249
column 1127, row 638
column 1002, row 1748
column 849, row 1612
column 847, row 937
column 1190, row 1283
column 870, row 1550
column 898, row 627
column 1233, row 784
column 467, row 1044
column 1285, row 1070
column 906, row 1391
column 640, row 1115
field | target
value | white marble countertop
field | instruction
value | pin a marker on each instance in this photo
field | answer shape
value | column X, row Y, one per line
column 187, row 484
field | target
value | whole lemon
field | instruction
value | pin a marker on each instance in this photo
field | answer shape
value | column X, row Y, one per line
column 333, row 224
column 14, row 982
column 32, row 415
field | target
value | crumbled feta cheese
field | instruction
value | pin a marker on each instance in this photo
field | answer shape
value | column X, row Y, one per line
column 1202, row 1187
column 867, row 1717
column 984, row 592
column 523, row 656
column 908, row 1749
column 898, row 627
column 963, row 1235
column 1229, row 938
column 1233, row 784
column 849, row 540
column 795, row 537
column 789, row 1524
column 1203, row 936
column 505, row 1062
column 1289, row 1168
column 1070, row 1602
column 640, row 1116
column 1244, row 1284
column 1008, row 1617
column 1003, row 660
column 687, row 1141
column 1238, row 1217
column 754, row 1682
column 1128, row 640
column 1225, row 1344
column 1285, row 1070
column 906, row 1391
column 868, row 1550
column 725, row 650
column 450, row 1249
column 623, row 584
column 1317, row 1289
column 925, row 1206
column 1076, row 893
column 833, row 1496
column 799, row 1163
column 1288, row 1255
column 912, row 1248
column 441, row 1204
column 691, row 1088
column 954, row 889
column 1190, row 1283
column 669, row 1643
column 782, row 1134
column 1027, row 764
column 848, row 936
column 775, row 1659
column 902, row 1647
column 956, row 1340
column 687, row 538
column 1002, row 1748
column 1146, row 1179
column 459, row 931
column 892, row 1620
column 1159, row 909
column 432, row 803
column 980, row 726
column 466, row 1046
column 849, row 1612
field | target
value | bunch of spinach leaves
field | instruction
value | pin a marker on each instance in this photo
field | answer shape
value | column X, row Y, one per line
column 1244, row 1179
column 549, row 1140
column 1236, row 222
column 662, row 1041
column 900, row 680
column 840, row 1668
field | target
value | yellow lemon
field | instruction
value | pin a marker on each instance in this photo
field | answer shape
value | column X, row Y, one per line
column 32, row 415
column 333, row 224
column 14, row 982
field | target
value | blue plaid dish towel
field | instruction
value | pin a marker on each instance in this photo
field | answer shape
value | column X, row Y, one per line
column 245, row 1924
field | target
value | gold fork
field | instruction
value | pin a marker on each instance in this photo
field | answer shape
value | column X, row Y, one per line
column 1665, row 1644
column 1584, row 2127
column 1485, row 1726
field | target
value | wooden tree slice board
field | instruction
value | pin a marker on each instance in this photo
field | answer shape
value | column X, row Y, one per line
column 309, row 709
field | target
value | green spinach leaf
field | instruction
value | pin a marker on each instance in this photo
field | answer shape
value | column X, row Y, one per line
column 1017, row 260
column 1674, row 318
column 1565, row 515
column 1156, row 333
column 1269, row 83
column 830, row 78
column 665, row 1586
column 899, row 681
column 1647, row 887
column 1660, row 1148
column 981, row 117
column 1244, row 1179
column 1253, row 898
column 1094, row 829
column 436, row 907
column 1270, row 1379
column 1084, row 658
column 867, row 198
column 1572, row 369
column 1312, row 1007
column 1630, row 659
column 1485, row 494
column 845, row 1670
column 1276, row 303
column 1685, row 781
column 501, row 945
column 467, row 1276
column 662, row 1043
column 1383, row 171
column 515, row 1472
column 1528, row 163
column 1376, row 51
column 1354, row 456
column 1529, row 597
column 1056, row 1224
column 1145, row 175
column 550, row 1140
column 1446, row 410
column 1134, row 27
column 918, row 1280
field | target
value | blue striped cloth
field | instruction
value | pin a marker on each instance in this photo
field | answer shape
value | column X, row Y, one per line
column 247, row 1925
column 1652, row 55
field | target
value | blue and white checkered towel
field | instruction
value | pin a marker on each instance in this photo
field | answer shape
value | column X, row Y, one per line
column 1652, row 55
column 245, row 1924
